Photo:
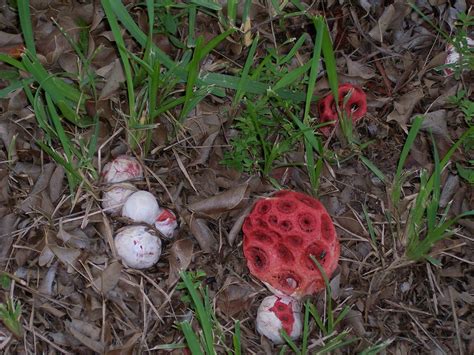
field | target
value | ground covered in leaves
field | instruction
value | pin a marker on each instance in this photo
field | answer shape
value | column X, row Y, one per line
column 57, row 257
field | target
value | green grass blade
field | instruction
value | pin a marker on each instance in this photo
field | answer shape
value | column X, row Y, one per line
column 204, row 317
column 433, row 206
column 290, row 342
column 298, row 44
column 370, row 227
column 291, row 77
column 191, row 338
column 314, row 69
column 11, row 61
column 245, row 72
column 116, row 31
column 208, row 4
column 25, row 23
column 192, row 11
column 304, row 341
column 221, row 80
column 373, row 168
column 397, row 181
column 236, row 339
column 329, row 58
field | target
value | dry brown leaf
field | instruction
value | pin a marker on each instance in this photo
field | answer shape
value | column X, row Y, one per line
column 236, row 228
column 201, row 232
column 87, row 334
column 222, row 202
column 46, row 256
column 403, row 108
column 357, row 69
column 33, row 200
column 127, row 348
column 235, row 298
column 181, row 254
column 67, row 256
column 114, row 76
column 378, row 31
column 8, row 224
column 108, row 278
column 449, row 189
column 46, row 285
column 8, row 39
column 206, row 149
column 355, row 320
column 107, row 232
column 435, row 122
column 56, row 183
column 75, row 238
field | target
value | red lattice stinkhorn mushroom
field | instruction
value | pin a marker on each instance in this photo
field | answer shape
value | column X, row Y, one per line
column 355, row 107
column 280, row 235
column 277, row 313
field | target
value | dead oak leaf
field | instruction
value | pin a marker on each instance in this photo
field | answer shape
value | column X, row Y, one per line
column 403, row 108
column 181, row 253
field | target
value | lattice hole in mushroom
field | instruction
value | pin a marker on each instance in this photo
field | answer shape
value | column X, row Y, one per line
column 319, row 252
column 327, row 228
column 258, row 258
column 263, row 207
column 307, row 222
column 284, row 254
column 286, row 206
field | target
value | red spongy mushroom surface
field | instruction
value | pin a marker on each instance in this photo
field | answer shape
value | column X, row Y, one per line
column 355, row 107
column 281, row 233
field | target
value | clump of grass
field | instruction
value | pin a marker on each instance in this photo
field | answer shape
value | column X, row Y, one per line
column 458, row 39
column 10, row 314
column 425, row 225
column 326, row 325
column 260, row 144
column 210, row 334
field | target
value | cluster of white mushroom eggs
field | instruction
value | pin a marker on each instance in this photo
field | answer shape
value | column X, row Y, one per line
column 138, row 246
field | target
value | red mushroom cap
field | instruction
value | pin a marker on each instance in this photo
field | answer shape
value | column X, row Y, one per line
column 281, row 233
column 356, row 106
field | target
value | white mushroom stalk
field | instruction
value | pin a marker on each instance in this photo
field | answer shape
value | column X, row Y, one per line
column 138, row 247
column 141, row 206
column 166, row 222
column 122, row 168
column 277, row 313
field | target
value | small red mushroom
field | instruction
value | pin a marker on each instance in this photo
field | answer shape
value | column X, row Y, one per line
column 355, row 108
column 280, row 235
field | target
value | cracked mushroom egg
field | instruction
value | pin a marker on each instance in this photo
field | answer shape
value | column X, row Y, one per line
column 114, row 197
column 138, row 247
column 123, row 168
column 281, row 234
column 277, row 313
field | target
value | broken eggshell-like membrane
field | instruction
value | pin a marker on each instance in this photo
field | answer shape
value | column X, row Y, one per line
column 276, row 313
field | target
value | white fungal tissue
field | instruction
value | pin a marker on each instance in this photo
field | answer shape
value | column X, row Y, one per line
column 122, row 168
column 138, row 247
column 114, row 197
column 141, row 206
column 166, row 222
column 276, row 313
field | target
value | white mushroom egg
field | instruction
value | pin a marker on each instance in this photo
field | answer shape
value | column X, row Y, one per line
column 114, row 197
column 138, row 247
column 141, row 206
column 276, row 313
column 166, row 222
column 122, row 168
